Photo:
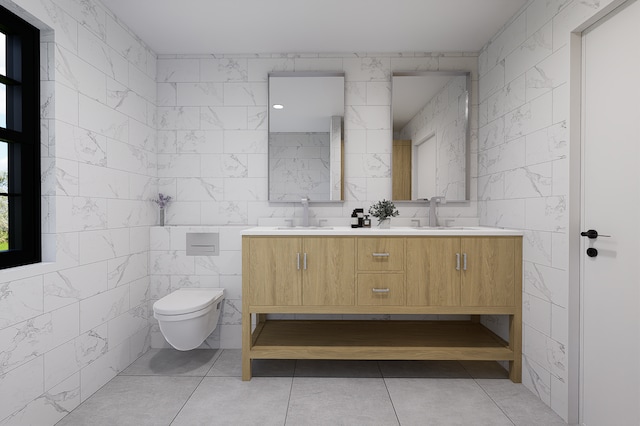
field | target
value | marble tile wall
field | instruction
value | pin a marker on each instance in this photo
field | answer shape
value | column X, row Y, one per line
column 523, row 168
column 70, row 324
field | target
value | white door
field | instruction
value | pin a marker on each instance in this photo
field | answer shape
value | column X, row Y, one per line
column 610, row 281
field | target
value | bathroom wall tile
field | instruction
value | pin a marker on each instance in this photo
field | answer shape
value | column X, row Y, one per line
column 94, row 375
column 195, row 281
column 536, row 313
column 159, row 286
column 355, row 93
column 560, row 249
column 560, row 397
column 102, row 245
column 80, row 145
column 223, row 69
column 178, row 118
column 64, row 106
column 229, row 262
column 97, row 53
column 242, row 94
column 531, row 52
column 20, row 300
column 404, row 64
column 571, row 16
column 224, row 118
column 244, row 142
column 507, row 99
column 559, row 324
column 367, row 117
column 367, row 69
column 20, row 386
column 492, row 81
column 139, row 239
column 179, row 165
column 49, row 407
column 167, row 94
column 178, row 70
column 103, row 120
column 547, row 214
column 540, row 13
column 243, row 189
column 547, row 144
column 123, row 326
column 126, row 100
column 537, row 247
column 318, row 64
column 536, row 379
column 67, row 359
column 259, row 68
column 125, row 269
column 231, row 312
column 529, row 118
column 503, row 213
column 72, row 285
column 27, row 340
column 507, row 41
column 102, row 307
column 139, row 291
column 533, row 181
column 171, row 263
column 225, row 212
column 199, row 94
column 79, row 75
column 546, row 283
column 492, row 134
column 548, row 74
column 183, row 213
column 125, row 44
column 232, row 285
column 561, row 103
column 230, row 336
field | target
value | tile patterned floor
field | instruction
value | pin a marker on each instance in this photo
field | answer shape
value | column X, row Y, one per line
column 203, row 387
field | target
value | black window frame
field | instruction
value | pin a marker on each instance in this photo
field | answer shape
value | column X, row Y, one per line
column 22, row 134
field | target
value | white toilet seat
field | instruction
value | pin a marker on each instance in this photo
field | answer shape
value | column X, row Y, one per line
column 187, row 301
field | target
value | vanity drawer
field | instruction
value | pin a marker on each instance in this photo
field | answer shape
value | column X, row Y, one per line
column 381, row 289
column 380, row 254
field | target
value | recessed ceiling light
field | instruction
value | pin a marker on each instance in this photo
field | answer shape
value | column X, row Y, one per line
column 278, row 106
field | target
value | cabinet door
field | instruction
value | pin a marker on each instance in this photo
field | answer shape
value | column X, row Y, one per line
column 329, row 277
column 274, row 275
column 489, row 277
column 432, row 277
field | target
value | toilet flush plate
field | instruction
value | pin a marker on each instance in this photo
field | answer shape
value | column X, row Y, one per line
column 203, row 244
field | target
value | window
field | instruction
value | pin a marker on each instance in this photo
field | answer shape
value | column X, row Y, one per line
column 19, row 141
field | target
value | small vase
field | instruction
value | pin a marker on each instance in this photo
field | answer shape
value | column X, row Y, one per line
column 161, row 217
column 385, row 223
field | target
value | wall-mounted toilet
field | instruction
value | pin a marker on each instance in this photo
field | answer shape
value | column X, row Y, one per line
column 188, row 316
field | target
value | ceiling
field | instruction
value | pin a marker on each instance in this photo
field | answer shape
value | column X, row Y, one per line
column 314, row 26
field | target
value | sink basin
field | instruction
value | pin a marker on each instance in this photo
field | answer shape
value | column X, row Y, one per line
column 442, row 228
column 298, row 228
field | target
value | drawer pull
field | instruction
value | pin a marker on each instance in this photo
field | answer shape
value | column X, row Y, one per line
column 457, row 261
column 380, row 290
column 380, row 254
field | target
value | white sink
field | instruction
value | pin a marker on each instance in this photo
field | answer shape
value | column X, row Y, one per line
column 299, row 228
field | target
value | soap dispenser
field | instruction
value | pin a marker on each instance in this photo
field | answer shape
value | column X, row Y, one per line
column 354, row 219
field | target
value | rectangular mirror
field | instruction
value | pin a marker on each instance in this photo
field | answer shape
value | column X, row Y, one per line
column 430, row 155
column 306, row 116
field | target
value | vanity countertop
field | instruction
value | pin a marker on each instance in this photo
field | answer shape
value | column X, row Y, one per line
column 458, row 231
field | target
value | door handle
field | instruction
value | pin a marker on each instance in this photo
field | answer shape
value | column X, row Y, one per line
column 592, row 234
column 304, row 262
column 464, row 262
column 298, row 261
column 457, row 261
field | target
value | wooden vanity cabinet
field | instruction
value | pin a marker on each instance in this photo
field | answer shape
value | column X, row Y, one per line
column 364, row 274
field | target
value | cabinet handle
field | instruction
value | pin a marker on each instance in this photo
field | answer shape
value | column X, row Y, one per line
column 464, row 262
column 380, row 254
column 457, row 261
column 305, row 261
column 380, row 290
column 298, row 263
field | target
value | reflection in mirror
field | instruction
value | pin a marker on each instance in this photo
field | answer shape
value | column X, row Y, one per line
column 306, row 115
column 430, row 135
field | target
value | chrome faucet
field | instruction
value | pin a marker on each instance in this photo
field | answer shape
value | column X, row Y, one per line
column 305, row 211
column 433, row 201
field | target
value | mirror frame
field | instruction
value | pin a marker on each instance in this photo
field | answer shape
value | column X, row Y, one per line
column 304, row 74
column 467, row 144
